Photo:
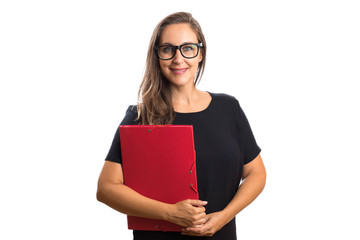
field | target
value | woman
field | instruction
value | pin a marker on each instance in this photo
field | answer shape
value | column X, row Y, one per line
column 226, row 150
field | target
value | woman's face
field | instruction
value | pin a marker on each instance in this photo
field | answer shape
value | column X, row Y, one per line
column 179, row 71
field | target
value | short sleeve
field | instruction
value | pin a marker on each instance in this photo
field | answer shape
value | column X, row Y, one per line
column 114, row 154
column 249, row 146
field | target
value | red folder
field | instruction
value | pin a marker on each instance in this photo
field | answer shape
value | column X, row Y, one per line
column 159, row 162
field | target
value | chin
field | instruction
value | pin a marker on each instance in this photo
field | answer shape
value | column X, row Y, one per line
column 180, row 81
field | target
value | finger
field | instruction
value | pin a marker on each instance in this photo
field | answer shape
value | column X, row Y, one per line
column 199, row 210
column 194, row 227
column 198, row 203
column 207, row 234
column 193, row 231
column 201, row 219
column 198, row 230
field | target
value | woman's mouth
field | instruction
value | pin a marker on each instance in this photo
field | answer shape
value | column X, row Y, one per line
column 178, row 70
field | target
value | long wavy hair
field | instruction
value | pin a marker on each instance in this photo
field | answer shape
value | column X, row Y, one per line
column 154, row 97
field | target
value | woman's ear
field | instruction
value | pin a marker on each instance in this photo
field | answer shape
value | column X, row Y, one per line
column 200, row 56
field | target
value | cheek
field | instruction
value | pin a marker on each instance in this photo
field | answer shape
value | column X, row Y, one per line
column 163, row 66
column 194, row 64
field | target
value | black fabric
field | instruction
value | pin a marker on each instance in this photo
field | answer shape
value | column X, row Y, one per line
column 224, row 142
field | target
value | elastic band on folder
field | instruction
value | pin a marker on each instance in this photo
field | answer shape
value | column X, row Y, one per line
column 192, row 166
column 149, row 130
column 190, row 172
column 192, row 186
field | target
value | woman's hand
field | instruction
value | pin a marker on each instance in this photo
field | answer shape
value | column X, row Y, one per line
column 188, row 213
column 254, row 176
column 214, row 222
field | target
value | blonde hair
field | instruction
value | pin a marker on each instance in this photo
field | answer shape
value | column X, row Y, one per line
column 155, row 98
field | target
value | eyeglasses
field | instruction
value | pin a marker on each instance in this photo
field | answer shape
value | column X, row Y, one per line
column 187, row 50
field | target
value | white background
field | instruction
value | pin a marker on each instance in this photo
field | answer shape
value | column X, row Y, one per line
column 69, row 69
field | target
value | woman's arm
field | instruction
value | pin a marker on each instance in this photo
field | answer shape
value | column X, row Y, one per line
column 254, row 177
column 115, row 194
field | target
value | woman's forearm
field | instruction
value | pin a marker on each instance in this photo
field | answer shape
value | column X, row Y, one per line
column 251, row 186
column 248, row 191
column 125, row 200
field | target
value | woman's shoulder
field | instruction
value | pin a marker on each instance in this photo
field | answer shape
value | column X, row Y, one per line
column 132, row 109
column 223, row 98
column 130, row 116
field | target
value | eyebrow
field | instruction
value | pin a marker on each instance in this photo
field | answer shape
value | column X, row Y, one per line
column 170, row 44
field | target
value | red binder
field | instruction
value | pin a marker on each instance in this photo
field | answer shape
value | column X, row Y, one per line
column 159, row 162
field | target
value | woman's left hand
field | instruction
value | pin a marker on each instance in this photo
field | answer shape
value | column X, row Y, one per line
column 214, row 222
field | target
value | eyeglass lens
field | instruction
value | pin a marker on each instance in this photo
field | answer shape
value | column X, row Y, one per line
column 187, row 50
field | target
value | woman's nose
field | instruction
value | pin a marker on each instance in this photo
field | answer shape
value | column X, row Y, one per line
column 178, row 58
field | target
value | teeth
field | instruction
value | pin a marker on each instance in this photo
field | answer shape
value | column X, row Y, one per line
column 179, row 71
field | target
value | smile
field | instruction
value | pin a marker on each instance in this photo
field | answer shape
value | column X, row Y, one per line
column 178, row 70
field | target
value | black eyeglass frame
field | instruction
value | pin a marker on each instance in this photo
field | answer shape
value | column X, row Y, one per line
column 199, row 45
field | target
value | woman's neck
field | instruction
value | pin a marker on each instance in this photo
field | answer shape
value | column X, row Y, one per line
column 191, row 100
column 185, row 95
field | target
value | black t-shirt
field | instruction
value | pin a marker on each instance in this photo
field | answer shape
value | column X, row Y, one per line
column 224, row 142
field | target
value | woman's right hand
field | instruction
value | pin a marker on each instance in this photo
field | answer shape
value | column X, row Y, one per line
column 113, row 192
column 188, row 213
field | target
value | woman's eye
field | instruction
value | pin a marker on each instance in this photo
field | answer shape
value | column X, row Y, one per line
column 188, row 48
column 167, row 49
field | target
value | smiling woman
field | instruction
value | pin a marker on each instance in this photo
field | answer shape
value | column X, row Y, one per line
column 226, row 151
column 158, row 103
column 177, row 68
